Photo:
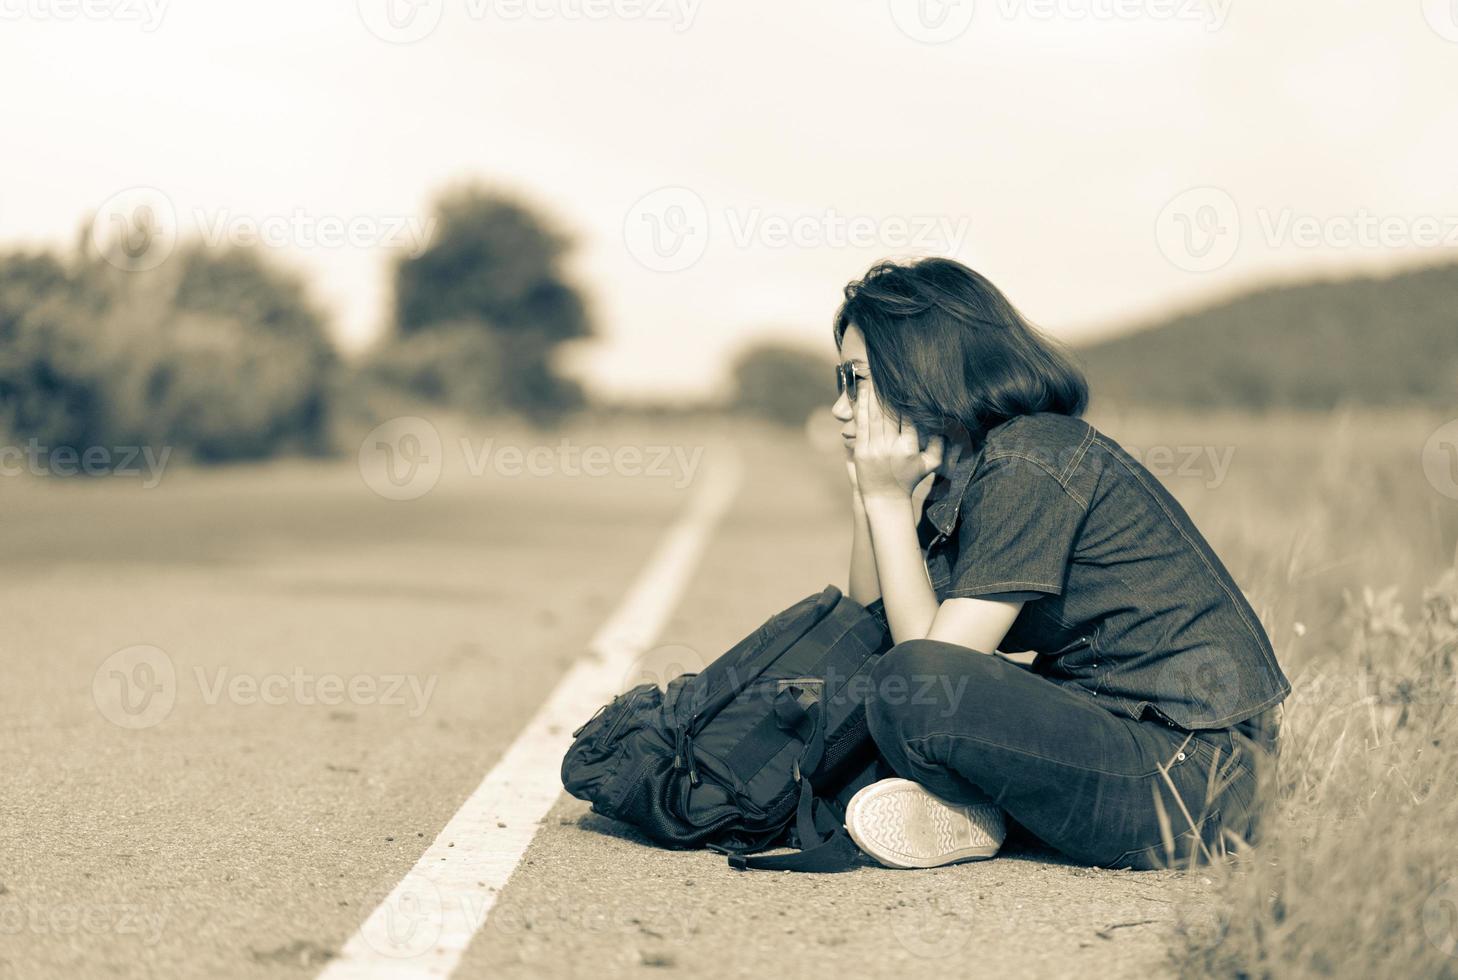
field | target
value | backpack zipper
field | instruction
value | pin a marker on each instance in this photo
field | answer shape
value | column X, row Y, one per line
column 583, row 727
column 622, row 716
column 683, row 751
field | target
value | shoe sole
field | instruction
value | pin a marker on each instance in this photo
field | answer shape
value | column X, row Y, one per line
column 902, row 824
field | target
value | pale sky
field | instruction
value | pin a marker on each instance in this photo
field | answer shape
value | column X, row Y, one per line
column 1048, row 143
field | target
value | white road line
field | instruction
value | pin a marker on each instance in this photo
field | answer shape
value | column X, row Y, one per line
column 424, row 925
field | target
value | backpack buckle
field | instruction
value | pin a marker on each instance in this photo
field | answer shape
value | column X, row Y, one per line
column 812, row 686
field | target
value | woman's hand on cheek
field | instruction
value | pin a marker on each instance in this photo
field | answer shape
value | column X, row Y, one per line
column 889, row 461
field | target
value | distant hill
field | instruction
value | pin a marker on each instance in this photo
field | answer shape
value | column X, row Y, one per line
column 1367, row 340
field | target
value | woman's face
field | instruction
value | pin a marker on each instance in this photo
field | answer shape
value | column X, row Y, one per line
column 853, row 352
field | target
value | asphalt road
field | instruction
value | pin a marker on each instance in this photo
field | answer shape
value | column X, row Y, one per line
column 241, row 703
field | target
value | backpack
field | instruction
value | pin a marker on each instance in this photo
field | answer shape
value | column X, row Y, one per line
column 761, row 749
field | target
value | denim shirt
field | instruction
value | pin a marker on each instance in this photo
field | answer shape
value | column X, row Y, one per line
column 1125, row 600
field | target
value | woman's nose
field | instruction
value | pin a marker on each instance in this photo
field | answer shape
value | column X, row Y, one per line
column 842, row 408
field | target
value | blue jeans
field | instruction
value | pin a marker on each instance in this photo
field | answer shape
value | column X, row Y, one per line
column 1079, row 777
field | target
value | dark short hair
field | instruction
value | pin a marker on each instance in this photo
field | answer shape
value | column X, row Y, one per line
column 950, row 354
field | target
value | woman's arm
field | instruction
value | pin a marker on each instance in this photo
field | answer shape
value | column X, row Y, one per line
column 912, row 609
column 910, row 602
column 865, row 584
column 889, row 466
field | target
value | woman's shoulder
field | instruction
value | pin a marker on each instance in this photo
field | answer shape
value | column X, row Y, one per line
column 1040, row 428
column 1056, row 442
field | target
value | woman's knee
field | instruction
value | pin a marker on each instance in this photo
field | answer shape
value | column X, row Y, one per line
column 918, row 686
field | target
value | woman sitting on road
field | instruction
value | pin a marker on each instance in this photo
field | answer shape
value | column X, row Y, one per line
column 1135, row 736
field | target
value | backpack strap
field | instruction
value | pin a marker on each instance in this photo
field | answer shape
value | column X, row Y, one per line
column 835, row 852
column 802, row 712
column 824, row 843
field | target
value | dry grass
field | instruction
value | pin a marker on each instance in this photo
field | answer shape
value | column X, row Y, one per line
column 1330, row 524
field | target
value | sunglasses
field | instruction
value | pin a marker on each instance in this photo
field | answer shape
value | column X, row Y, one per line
column 845, row 380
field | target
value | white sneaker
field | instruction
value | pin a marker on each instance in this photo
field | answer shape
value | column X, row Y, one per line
column 902, row 824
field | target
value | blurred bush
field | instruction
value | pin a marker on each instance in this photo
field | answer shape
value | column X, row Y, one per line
column 215, row 353
column 457, row 364
column 782, row 383
column 481, row 313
